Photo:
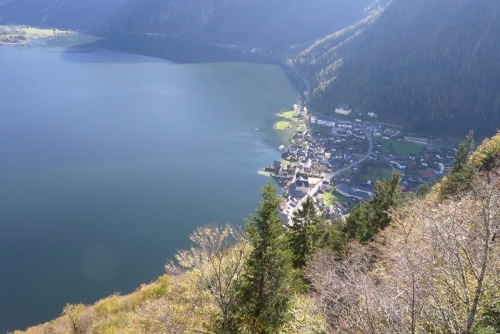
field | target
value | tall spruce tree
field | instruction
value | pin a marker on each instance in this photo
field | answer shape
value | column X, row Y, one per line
column 305, row 232
column 464, row 151
column 368, row 218
column 269, row 282
column 460, row 176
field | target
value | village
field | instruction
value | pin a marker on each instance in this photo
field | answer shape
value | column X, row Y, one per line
column 11, row 34
column 337, row 159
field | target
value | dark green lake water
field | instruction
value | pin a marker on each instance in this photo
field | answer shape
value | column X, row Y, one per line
column 109, row 160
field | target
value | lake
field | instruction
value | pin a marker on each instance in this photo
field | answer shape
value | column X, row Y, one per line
column 109, row 160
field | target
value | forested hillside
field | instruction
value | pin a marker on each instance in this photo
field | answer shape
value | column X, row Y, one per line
column 269, row 24
column 433, row 66
column 400, row 263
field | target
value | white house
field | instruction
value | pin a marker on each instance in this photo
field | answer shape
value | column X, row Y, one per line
column 398, row 164
column 343, row 109
column 346, row 125
column 325, row 123
column 417, row 140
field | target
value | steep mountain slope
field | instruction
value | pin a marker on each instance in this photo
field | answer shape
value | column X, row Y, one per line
column 433, row 66
column 259, row 23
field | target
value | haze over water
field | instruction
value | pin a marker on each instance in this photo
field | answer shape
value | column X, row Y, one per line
column 109, row 160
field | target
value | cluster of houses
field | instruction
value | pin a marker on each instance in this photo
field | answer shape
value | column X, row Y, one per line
column 308, row 162
column 315, row 164
column 431, row 163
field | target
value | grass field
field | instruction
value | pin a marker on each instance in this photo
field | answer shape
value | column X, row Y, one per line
column 329, row 199
column 292, row 121
column 339, row 198
column 401, row 147
column 290, row 115
column 376, row 173
column 37, row 32
column 282, row 125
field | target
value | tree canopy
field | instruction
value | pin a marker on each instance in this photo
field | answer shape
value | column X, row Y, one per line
column 268, row 284
column 370, row 217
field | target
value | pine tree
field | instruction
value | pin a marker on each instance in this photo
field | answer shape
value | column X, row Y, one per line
column 269, row 281
column 368, row 218
column 305, row 232
column 460, row 176
column 359, row 224
column 387, row 194
column 464, row 151
column 489, row 162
